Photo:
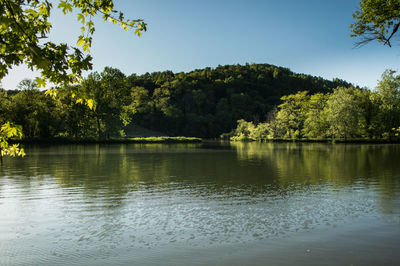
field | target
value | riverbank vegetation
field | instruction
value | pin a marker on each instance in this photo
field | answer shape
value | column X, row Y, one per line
column 136, row 140
column 203, row 103
column 346, row 113
column 263, row 102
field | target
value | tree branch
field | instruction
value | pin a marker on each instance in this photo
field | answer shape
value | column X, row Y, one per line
column 395, row 28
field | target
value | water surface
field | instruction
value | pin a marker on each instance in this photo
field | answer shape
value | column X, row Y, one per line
column 211, row 203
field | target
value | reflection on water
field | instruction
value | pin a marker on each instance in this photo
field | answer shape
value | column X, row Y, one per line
column 87, row 204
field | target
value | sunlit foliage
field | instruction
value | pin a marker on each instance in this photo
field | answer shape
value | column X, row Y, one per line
column 8, row 131
column 346, row 113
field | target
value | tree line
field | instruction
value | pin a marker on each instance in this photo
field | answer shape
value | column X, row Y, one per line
column 202, row 103
column 346, row 113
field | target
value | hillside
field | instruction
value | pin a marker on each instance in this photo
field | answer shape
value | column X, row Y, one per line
column 208, row 102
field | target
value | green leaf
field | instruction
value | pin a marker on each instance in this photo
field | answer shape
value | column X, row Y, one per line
column 81, row 18
column 66, row 7
column 40, row 82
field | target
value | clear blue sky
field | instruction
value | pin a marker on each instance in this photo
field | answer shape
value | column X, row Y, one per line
column 307, row 36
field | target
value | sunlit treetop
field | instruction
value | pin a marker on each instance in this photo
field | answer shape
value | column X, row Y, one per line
column 24, row 27
column 376, row 20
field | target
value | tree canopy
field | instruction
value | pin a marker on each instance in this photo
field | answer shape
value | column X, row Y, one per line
column 376, row 20
column 24, row 28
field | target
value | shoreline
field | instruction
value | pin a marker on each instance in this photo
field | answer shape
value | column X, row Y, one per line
column 181, row 139
column 136, row 140
column 330, row 141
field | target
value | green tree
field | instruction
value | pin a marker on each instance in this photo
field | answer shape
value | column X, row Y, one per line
column 261, row 132
column 139, row 97
column 376, row 20
column 344, row 113
column 34, row 111
column 78, row 119
column 243, row 130
column 292, row 114
column 388, row 90
column 274, row 130
column 316, row 124
column 137, row 102
column 369, row 104
column 115, row 102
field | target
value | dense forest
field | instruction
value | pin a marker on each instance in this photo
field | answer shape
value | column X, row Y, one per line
column 202, row 103
column 346, row 113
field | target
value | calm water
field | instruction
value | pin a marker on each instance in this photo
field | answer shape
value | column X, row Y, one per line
column 203, row 204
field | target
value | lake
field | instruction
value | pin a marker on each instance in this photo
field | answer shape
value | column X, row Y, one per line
column 201, row 204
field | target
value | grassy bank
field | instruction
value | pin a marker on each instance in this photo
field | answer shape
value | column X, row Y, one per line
column 110, row 140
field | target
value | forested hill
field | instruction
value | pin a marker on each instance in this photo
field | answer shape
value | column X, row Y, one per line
column 208, row 102
column 202, row 103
